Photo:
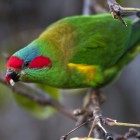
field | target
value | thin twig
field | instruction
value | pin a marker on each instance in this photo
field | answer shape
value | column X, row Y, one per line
column 124, row 124
column 40, row 97
column 76, row 128
column 92, row 128
column 95, row 107
column 129, row 9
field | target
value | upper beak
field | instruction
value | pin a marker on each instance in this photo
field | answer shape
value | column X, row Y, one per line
column 11, row 77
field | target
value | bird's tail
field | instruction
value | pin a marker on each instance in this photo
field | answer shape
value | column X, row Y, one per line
column 134, row 45
column 135, row 35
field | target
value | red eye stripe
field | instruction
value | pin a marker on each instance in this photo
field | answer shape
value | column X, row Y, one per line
column 15, row 62
column 40, row 62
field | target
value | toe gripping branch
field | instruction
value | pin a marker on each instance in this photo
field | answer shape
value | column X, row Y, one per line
column 117, row 11
column 92, row 118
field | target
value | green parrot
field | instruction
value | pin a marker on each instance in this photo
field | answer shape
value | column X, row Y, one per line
column 77, row 52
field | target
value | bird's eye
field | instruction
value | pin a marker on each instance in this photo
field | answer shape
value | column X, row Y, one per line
column 26, row 64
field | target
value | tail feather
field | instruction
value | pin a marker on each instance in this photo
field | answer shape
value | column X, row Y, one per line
column 135, row 35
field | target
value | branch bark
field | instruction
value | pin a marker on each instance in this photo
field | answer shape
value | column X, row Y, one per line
column 39, row 96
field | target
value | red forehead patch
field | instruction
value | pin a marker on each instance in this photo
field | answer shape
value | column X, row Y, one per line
column 40, row 62
column 14, row 62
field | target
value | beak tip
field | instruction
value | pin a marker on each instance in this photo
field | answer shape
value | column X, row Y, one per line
column 12, row 83
column 9, row 81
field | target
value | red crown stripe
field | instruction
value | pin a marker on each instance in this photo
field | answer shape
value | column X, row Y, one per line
column 15, row 62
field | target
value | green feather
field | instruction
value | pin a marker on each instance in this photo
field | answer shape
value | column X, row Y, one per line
column 86, row 51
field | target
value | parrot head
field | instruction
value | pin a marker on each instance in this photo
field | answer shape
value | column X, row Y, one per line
column 26, row 64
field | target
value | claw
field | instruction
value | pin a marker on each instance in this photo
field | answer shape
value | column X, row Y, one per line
column 108, row 136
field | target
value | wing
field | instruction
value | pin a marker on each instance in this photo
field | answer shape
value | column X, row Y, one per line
column 85, row 75
column 99, row 40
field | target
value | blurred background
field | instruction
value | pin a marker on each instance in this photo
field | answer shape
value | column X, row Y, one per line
column 21, row 21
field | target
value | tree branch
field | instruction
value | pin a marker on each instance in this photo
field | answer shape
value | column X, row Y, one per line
column 117, row 10
column 86, row 9
column 39, row 96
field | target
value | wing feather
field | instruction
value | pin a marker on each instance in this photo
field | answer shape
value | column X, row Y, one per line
column 99, row 40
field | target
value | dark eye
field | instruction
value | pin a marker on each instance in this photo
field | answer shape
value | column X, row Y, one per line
column 26, row 64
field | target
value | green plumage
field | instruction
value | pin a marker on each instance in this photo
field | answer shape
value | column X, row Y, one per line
column 85, row 51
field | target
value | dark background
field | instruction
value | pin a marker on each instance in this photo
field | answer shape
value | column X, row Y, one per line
column 23, row 20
